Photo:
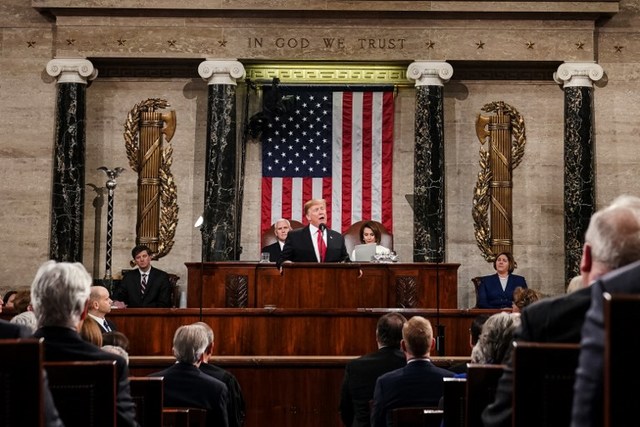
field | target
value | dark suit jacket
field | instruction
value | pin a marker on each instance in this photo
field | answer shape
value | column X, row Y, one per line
column 557, row 319
column 491, row 295
column 417, row 384
column 64, row 344
column 236, row 406
column 274, row 251
column 588, row 398
column 299, row 247
column 158, row 293
column 10, row 330
column 360, row 380
column 185, row 385
column 109, row 322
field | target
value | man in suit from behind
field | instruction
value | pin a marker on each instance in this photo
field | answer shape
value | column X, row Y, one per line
column 612, row 240
column 60, row 297
column 281, row 229
column 185, row 385
column 418, row 384
column 236, row 406
column 588, row 396
column 99, row 307
column 308, row 244
column 144, row 286
column 361, row 374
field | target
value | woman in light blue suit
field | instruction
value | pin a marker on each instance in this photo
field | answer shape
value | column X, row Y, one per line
column 496, row 290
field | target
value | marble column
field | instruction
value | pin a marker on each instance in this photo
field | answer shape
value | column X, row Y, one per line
column 224, row 163
column 579, row 173
column 67, row 194
column 428, row 164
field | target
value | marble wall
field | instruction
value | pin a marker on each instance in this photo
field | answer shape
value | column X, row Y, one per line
column 27, row 94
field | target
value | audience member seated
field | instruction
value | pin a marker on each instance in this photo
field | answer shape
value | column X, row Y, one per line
column 144, row 286
column 612, row 240
column 185, row 385
column 474, row 334
column 523, row 297
column 22, row 300
column 99, row 307
column 419, row 384
column 236, row 406
column 352, row 235
column 575, row 284
column 361, row 374
column 26, row 319
column 117, row 339
column 116, row 350
column 496, row 290
column 59, row 295
column 280, row 229
column 494, row 345
column 91, row 332
column 7, row 300
column 370, row 234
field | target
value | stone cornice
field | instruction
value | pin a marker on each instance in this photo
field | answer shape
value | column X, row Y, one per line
column 198, row 8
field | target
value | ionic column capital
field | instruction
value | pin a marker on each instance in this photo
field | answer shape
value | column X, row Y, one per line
column 430, row 73
column 221, row 71
column 581, row 74
column 71, row 70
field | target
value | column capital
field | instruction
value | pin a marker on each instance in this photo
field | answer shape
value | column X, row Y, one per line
column 430, row 73
column 71, row 70
column 580, row 74
column 221, row 71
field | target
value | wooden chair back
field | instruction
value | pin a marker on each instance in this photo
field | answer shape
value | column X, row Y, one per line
column 622, row 343
column 352, row 236
column 148, row 396
column 416, row 417
column 184, row 417
column 268, row 237
column 543, row 377
column 476, row 285
column 21, row 382
column 482, row 382
column 454, row 399
column 84, row 392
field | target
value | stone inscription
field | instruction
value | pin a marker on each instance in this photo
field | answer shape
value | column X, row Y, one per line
column 336, row 43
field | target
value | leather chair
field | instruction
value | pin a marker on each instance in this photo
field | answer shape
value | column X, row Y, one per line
column 352, row 236
column 268, row 237
column 476, row 284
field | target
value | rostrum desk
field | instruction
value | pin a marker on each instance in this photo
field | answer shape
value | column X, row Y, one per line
column 288, row 336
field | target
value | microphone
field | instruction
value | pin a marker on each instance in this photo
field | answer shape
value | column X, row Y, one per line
column 322, row 227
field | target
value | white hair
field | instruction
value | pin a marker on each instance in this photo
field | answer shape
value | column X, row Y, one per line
column 189, row 343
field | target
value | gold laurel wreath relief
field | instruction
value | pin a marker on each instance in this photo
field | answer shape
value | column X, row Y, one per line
column 481, row 193
column 168, row 189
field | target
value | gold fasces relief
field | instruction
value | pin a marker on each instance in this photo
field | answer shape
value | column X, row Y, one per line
column 504, row 135
column 151, row 158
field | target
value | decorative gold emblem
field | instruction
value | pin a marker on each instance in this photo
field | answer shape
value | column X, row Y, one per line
column 504, row 133
column 157, row 192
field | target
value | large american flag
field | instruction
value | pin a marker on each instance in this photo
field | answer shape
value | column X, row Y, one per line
column 330, row 143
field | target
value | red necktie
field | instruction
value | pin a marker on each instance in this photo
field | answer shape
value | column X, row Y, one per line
column 322, row 248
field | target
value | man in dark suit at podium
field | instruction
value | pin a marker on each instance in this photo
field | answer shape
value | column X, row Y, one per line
column 145, row 286
column 361, row 374
column 281, row 229
column 315, row 242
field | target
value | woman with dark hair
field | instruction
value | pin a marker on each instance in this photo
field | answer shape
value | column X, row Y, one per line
column 7, row 300
column 370, row 234
column 496, row 290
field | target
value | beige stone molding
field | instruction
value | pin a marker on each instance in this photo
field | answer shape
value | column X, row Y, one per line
column 572, row 74
column 221, row 71
column 71, row 70
column 329, row 73
column 430, row 73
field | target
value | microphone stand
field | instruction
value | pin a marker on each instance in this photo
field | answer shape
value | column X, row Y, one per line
column 199, row 223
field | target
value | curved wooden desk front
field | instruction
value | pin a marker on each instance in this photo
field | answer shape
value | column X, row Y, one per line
column 312, row 285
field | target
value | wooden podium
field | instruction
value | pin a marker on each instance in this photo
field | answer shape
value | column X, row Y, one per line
column 313, row 285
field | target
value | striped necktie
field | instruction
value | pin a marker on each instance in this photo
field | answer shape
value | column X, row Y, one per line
column 143, row 283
